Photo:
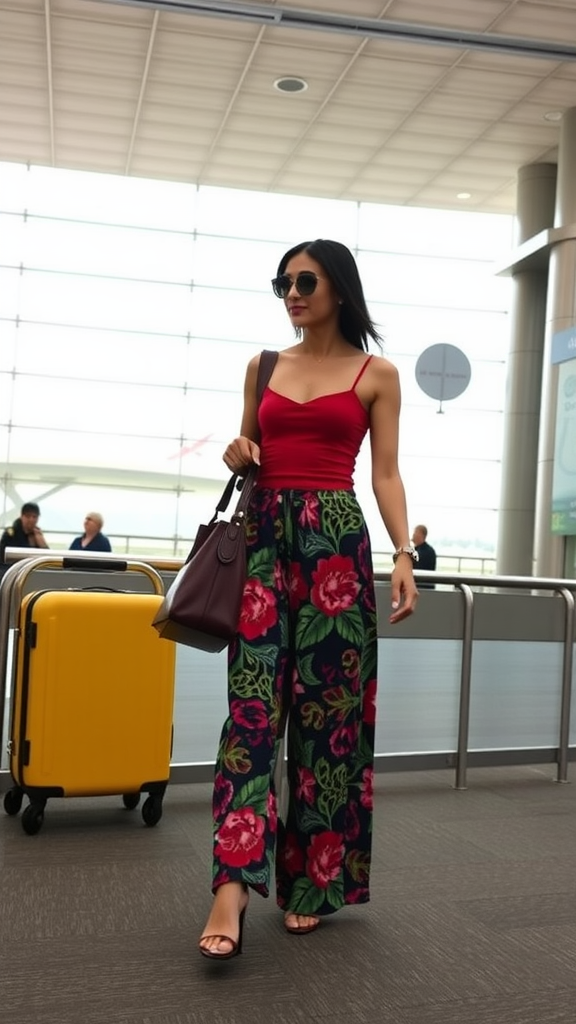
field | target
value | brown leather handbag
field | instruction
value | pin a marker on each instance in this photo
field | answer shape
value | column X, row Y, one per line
column 202, row 606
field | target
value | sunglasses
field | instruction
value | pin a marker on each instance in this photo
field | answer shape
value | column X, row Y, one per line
column 305, row 284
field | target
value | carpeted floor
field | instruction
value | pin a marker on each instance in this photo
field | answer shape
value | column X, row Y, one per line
column 472, row 919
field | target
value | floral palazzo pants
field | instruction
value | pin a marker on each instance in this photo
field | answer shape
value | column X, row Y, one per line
column 305, row 653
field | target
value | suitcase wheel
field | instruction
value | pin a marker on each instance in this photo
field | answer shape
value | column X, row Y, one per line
column 152, row 810
column 13, row 800
column 32, row 818
column 131, row 800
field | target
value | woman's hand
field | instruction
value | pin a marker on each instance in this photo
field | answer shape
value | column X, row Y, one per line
column 404, row 590
column 240, row 454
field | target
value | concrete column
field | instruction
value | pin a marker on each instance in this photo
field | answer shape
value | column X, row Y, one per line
column 549, row 550
column 535, row 213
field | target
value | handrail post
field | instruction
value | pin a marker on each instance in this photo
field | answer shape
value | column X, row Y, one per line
column 564, row 736
column 465, row 679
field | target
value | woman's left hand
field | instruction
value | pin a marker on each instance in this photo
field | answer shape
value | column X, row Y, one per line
column 404, row 590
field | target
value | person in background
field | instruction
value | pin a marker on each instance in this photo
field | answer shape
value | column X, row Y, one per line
column 426, row 554
column 306, row 646
column 92, row 539
column 24, row 532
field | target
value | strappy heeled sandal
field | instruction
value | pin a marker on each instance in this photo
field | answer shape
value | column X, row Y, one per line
column 213, row 954
column 304, row 929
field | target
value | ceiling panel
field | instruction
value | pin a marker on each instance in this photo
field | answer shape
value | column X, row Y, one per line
column 126, row 89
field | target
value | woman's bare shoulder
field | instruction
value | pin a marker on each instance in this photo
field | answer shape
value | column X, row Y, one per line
column 382, row 371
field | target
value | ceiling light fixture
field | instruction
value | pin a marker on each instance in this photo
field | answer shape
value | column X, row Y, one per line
column 463, row 195
column 324, row 21
column 290, row 84
column 553, row 115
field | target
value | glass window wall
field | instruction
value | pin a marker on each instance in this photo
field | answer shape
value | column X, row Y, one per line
column 130, row 308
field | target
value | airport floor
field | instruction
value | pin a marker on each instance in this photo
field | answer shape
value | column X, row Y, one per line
column 472, row 918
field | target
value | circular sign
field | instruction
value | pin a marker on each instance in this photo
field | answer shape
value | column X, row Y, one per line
column 443, row 372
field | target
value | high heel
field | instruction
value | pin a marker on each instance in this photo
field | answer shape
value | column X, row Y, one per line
column 213, row 954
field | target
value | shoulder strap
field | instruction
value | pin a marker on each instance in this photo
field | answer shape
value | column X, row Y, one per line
column 266, row 366
column 362, row 368
column 268, row 359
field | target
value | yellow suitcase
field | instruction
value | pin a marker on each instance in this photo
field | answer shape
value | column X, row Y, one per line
column 92, row 701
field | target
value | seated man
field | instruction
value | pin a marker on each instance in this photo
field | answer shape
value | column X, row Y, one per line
column 24, row 532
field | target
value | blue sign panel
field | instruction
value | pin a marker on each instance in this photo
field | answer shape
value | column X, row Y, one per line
column 564, row 345
column 564, row 475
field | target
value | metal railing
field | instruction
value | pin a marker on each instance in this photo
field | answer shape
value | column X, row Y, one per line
column 464, row 584
column 150, row 548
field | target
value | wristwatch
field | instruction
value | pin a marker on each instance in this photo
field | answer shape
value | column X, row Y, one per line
column 408, row 549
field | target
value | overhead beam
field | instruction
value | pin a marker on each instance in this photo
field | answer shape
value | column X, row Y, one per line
column 324, row 21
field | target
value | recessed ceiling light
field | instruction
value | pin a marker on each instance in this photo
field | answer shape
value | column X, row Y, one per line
column 463, row 195
column 553, row 115
column 290, row 84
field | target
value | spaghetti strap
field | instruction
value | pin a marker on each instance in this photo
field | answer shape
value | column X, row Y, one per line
column 362, row 368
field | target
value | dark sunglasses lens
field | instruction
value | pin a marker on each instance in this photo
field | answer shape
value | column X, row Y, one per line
column 306, row 283
column 281, row 286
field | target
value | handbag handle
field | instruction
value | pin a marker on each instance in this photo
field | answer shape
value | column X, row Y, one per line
column 247, row 482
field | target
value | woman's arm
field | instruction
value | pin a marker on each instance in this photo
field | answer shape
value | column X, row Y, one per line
column 244, row 450
column 387, row 482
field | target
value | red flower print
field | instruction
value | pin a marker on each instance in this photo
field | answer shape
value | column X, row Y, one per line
column 306, row 786
column 309, row 514
column 343, row 740
column 336, row 585
column 292, row 856
column 351, row 822
column 223, row 793
column 258, row 612
column 324, row 858
column 279, row 578
column 367, row 789
column 297, row 588
column 365, row 558
column 272, row 812
column 360, row 895
column 251, row 714
column 239, row 838
column 369, row 703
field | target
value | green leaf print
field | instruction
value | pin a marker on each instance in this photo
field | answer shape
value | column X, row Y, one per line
column 254, row 794
column 350, row 626
column 312, row 627
column 261, row 564
column 369, row 664
column 335, row 893
column 260, row 878
column 305, row 898
column 306, row 672
column 340, row 515
column 333, row 788
column 310, row 821
column 267, row 654
column 313, row 544
column 251, row 684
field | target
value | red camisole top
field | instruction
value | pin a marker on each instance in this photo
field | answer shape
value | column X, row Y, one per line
column 311, row 445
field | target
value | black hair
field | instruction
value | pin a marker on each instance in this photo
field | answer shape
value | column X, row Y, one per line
column 30, row 507
column 336, row 259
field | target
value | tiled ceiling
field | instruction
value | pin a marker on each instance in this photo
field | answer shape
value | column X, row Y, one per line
column 150, row 91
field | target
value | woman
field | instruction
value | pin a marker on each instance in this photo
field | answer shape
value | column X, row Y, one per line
column 306, row 642
column 92, row 539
